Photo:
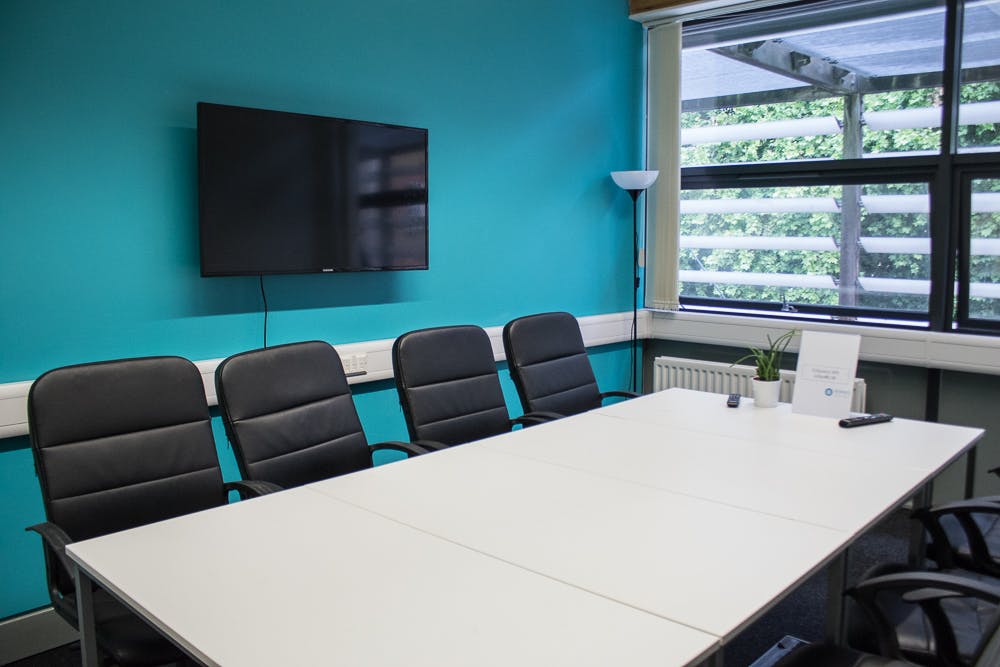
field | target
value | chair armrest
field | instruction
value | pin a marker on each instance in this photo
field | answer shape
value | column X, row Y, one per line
column 430, row 445
column 251, row 488
column 962, row 510
column 410, row 448
column 619, row 394
column 925, row 589
column 985, row 505
column 532, row 418
column 56, row 538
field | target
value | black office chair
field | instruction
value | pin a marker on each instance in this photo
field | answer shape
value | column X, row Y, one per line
column 965, row 543
column 965, row 534
column 120, row 444
column 929, row 618
column 957, row 619
column 290, row 415
column 550, row 367
column 448, row 386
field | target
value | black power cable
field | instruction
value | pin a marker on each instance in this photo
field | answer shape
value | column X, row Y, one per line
column 263, row 296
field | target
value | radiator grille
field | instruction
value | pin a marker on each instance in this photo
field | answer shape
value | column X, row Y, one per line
column 720, row 378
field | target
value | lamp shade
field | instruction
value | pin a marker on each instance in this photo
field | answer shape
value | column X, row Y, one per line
column 634, row 180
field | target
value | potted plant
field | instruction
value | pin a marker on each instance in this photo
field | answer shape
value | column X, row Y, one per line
column 767, row 383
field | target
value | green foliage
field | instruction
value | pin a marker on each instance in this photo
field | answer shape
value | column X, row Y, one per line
column 985, row 268
column 764, row 150
column 980, row 135
column 768, row 361
column 891, row 225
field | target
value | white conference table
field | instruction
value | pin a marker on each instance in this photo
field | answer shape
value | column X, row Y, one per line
column 299, row 578
column 679, row 519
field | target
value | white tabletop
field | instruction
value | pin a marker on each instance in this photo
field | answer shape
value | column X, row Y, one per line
column 672, row 502
column 647, row 532
column 811, row 484
column 298, row 578
column 922, row 445
column 705, row 564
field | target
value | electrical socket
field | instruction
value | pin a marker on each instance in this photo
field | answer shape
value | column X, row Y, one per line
column 356, row 364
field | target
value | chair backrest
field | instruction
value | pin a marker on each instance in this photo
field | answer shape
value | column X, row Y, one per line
column 120, row 444
column 289, row 414
column 448, row 385
column 549, row 364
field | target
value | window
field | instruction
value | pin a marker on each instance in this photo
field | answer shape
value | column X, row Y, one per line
column 830, row 87
column 864, row 246
column 979, row 113
column 979, row 302
column 836, row 162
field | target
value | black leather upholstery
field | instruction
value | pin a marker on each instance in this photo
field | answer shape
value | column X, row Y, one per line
column 290, row 415
column 965, row 534
column 890, row 593
column 549, row 365
column 116, row 445
column 448, row 385
column 929, row 618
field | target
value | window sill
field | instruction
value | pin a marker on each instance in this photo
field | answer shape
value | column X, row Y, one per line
column 950, row 351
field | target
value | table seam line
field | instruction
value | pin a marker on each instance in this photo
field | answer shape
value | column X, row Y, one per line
column 673, row 492
column 495, row 557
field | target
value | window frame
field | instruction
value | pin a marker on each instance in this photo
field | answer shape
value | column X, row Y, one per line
column 971, row 167
column 827, row 172
column 948, row 175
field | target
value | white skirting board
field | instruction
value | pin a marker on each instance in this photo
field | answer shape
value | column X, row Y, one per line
column 33, row 633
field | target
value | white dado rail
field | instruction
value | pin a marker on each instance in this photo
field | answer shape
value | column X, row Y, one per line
column 973, row 354
column 374, row 357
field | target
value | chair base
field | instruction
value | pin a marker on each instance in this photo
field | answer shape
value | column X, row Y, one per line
column 781, row 648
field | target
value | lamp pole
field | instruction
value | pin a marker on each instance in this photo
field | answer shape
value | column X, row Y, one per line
column 635, row 286
column 634, row 183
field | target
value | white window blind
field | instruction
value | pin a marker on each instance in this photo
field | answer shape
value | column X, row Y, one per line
column 664, row 132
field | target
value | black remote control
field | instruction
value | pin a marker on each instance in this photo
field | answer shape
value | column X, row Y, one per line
column 733, row 401
column 877, row 418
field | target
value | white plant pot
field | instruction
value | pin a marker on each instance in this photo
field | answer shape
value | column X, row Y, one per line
column 765, row 393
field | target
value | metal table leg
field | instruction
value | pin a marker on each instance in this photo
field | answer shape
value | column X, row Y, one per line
column 85, row 616
column 717, row 659
column 918, row 540
column 836, row 583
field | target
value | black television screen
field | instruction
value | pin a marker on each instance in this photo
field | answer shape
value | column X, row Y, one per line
column 290, row 193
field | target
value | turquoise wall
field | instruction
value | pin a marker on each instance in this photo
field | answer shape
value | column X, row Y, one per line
column 528, row 104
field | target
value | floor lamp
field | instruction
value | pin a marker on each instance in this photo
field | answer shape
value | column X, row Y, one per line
column 634, row 183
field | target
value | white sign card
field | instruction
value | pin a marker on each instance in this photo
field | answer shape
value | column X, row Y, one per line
column 824, row 376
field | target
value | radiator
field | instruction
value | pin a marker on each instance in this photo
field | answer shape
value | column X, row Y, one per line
column 720, row 378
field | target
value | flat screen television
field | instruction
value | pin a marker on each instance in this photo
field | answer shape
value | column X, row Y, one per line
column 292, row 193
